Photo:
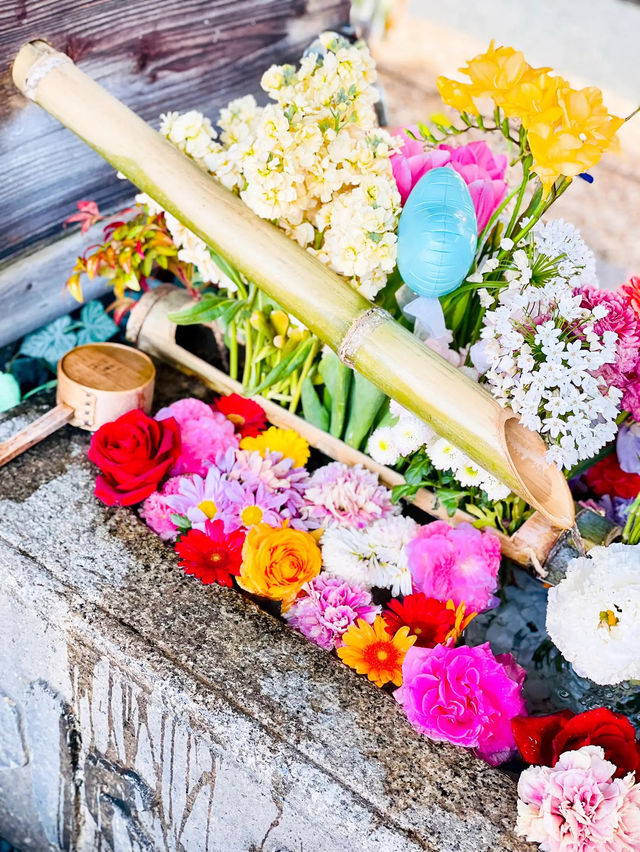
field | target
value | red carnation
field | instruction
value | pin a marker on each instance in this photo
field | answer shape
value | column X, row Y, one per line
column 134, row 453
column 427, row 618
column 542, row 739
column 245, row 414
column 607, row 477
column 212, row 556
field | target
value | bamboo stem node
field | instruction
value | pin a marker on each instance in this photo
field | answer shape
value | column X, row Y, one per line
column 359, row 329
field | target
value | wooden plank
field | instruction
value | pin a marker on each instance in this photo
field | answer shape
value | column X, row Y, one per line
column 184, row 54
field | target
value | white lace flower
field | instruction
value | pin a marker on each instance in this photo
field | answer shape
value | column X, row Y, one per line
column 593, row 615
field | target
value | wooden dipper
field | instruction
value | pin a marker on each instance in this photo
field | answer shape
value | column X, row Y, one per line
column 96, row 383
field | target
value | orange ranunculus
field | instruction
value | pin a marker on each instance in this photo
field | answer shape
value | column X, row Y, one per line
column 276, row 562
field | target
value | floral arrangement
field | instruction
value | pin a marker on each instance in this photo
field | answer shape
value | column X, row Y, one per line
column 244, row 505
column 528, row 322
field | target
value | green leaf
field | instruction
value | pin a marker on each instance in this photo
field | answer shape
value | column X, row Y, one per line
column 285, row 367
column 50, row 342
column 181, row 521
column 9, row 391
column 226, row 268
column 312, row 409
column 450, row 499
column 209, row 308
column 337, row 378
column 364, row 404
column 97, row 325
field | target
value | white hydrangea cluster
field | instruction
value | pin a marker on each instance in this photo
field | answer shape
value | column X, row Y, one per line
column 408, row 434
column 593, row 615
column 375, row 556
column 540, row 353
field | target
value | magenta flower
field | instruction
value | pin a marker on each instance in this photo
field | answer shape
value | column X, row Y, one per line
column 620, row 318
column 465, row 696
column 327, row 607
column 156, row 512
column 455, row 563
column 346, row 496
column 206, row 498
column 578, row 806
column 203, row 432
column 481, row 170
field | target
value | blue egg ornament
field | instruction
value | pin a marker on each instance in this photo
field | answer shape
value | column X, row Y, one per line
column 437, row 234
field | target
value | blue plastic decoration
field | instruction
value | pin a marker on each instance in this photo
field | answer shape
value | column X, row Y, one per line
column 437, row 238
column 437, row 234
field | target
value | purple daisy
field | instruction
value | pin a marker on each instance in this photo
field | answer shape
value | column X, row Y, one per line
column 205, row 498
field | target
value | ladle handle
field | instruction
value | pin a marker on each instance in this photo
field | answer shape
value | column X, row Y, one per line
column 35, row 432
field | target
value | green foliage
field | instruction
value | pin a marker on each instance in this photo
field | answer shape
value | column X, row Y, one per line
column 9, row 391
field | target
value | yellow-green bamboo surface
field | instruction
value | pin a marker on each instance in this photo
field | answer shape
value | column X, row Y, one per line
column 377, row 346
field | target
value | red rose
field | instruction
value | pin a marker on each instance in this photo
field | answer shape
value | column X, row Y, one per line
column 134, row 452
column 542, row 739
column 607, row 477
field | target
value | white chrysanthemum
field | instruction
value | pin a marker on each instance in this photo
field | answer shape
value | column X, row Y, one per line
column 383, row 447
column 346, row 554
column 387, row 540
column 593, row 615
column 444, row 455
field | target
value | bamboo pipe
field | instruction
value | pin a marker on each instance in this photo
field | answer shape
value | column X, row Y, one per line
column 364, row 337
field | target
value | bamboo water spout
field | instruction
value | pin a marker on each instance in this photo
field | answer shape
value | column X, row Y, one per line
column 364, row 337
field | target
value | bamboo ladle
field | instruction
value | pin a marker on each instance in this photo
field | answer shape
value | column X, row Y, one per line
column 96, row 383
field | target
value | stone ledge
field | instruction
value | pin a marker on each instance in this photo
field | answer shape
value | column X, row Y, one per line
column 295, row 750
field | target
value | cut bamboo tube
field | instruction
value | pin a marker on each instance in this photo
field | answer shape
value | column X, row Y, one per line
column 364, row 337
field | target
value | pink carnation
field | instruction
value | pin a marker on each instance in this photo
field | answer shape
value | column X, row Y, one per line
column 156, row 512
column 346, row 496
column 578, row 806
column 203, row 432
column 465, row 696
column 327, row 607
column 481, row 170
column 455, row 563
column 620, row 318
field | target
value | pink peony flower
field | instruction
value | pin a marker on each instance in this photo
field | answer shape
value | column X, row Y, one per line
column 455, row 563
column 327, row 607
column 346, row 496
column 156, row 512
column 465, row 696
column 203, row 432
column 577, row 805
column 475, row 163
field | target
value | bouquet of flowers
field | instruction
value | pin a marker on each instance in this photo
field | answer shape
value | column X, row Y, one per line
column 244, row 503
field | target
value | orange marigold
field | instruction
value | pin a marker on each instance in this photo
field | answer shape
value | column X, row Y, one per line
column 370, row 650
column 276, row 562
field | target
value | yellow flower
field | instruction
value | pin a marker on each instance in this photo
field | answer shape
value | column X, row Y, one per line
column 274, row 440
column 457, row 95
column 494, row 73
column 461, row 622
column 276, row 562
column 534, row 99
column 370, row 650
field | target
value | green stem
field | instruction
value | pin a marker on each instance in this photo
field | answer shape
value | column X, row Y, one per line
column 306, row 367
column 233, row 350
column 526, row 166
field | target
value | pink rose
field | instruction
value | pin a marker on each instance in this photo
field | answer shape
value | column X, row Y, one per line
column 578, row 806
column 465, row 696
column 455, row 563
column 481, row 170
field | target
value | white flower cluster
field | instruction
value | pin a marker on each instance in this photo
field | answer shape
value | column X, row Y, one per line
column 375, row 556
column 540, row 352
column 193, row 134
column 593, row 615
column 408, row 434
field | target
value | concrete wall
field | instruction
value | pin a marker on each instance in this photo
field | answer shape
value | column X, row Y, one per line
column 140, row 710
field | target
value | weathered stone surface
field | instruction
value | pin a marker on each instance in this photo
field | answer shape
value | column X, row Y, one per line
column 152, row 712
